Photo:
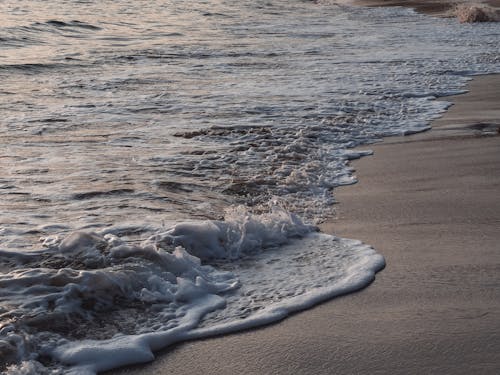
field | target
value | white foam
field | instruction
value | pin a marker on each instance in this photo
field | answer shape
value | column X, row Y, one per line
column 239, row 234
column 96, row 302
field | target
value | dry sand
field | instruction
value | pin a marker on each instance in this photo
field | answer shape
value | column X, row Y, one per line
column 430, row 204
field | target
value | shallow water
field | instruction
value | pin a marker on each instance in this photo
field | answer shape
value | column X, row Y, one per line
column 215, row 126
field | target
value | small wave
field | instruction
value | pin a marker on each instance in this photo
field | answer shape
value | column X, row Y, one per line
column 100, row 194
column 91, row 301
column 31, row 68
column 56, row 23
column 41, row 33
column 74, row 24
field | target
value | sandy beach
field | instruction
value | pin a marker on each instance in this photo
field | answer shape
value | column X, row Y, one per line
column 429, row 203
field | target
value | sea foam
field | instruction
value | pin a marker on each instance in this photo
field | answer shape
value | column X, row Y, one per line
column 90, row 302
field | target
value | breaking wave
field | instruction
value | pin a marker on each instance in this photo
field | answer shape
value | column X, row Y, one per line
column 90, row 302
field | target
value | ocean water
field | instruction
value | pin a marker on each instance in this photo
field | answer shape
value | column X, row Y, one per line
column 164, row 164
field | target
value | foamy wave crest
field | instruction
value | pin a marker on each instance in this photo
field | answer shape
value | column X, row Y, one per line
column 241, row 233
column 93, row 301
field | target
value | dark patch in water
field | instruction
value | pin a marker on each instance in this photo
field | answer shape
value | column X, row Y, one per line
column 56, row 23
column 84, row 25
column 73, row 23
column 30, row 68
column 240, row 188
column 174, row 186
column 98, row 194
column 199, row 152
column 224, row 131
column 51, row 120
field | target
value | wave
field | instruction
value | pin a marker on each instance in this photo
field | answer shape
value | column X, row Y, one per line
column 41, row 33
column 90, row 302
column 31, row 68
column 72, row 24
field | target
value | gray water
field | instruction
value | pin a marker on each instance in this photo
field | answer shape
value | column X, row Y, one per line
column 142, row 112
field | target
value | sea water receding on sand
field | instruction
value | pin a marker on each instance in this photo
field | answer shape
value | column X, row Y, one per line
column 93, row 302
column 164, row 164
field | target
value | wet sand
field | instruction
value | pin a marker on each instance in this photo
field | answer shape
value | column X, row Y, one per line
column 430, row 204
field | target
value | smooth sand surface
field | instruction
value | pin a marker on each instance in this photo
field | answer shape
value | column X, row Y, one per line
column 430, row 204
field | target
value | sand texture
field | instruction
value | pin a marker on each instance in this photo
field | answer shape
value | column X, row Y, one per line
column 430, row 204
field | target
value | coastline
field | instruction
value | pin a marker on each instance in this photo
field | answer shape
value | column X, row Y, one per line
column 436, row 307
column 204, row 131
column 429, row 203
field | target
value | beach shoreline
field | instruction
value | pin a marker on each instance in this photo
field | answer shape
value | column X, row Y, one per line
column 180, row 190
column 429, row 204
